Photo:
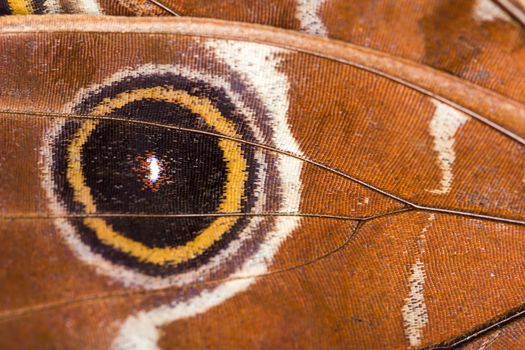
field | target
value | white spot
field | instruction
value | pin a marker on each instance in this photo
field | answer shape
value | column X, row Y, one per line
column 443, row 127
column 154, row 169
column 88, row 7
column 308, row 15
column 414, row 311
column 257, row 64
column 487, row 11
column 52, row 6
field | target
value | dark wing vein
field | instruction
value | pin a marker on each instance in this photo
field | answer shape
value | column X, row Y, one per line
column 280, row 151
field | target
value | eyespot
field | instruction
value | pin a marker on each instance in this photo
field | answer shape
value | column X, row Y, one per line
column 155, row 181
column 28, row 7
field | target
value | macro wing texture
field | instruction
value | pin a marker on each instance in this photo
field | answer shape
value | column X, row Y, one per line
column 183, row 183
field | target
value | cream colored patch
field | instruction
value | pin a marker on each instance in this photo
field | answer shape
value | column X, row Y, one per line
column 308, row 15
column 88, row 7
column 487, row 11
column 414, row 311
column 443, row 127
column 52, row 6
column 257, row 64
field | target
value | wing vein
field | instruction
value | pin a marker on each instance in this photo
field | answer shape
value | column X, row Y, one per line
column 165, row 7
column 276, row 150
column 7, row 315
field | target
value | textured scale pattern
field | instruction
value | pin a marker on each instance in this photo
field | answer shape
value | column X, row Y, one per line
column 189, row 184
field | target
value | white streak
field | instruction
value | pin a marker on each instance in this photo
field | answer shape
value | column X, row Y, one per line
column 140, row 332
column 414, row 311
column 308, row 15
column 488, row 11
column 443, row 127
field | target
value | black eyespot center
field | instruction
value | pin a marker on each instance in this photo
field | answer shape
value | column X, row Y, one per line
column 141, row 163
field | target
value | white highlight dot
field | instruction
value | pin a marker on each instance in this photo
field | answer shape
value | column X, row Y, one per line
column 154, row 169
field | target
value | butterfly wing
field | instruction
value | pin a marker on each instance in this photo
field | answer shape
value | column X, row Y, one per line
column 354, row 202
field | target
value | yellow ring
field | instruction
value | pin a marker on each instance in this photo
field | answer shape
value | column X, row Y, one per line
column 233, row 193
column 20, row 7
